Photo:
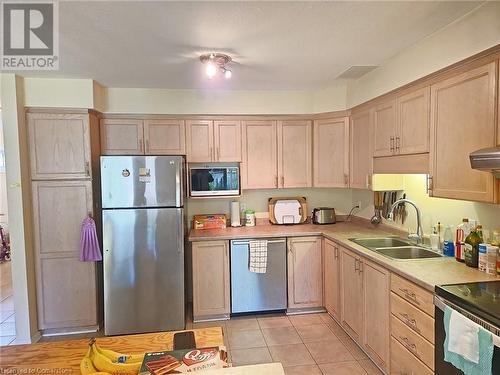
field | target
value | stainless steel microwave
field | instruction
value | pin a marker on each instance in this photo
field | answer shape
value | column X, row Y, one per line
column 216, row 179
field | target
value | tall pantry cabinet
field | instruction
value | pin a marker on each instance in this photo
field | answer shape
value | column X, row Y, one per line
column 64, row 160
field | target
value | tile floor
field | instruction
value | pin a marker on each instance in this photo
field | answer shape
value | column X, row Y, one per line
column 305, row 344
column 7, row 316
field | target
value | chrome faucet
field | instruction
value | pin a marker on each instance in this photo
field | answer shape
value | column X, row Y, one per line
column 417, row 237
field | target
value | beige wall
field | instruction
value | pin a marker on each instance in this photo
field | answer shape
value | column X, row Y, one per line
column 257, row 200
column 19, row 200
column 62, row 93
column 473, row 33
column 446, row 211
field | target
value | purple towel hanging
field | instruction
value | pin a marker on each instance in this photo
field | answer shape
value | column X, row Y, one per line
column 89, row 244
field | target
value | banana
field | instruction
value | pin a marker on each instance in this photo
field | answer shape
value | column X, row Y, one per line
column 118, row 357
column 86, row 365
column 104, row 364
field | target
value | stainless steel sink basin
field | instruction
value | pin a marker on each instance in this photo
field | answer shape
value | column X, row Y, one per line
column 396, row 248
column 373, row 243
column 407, row 252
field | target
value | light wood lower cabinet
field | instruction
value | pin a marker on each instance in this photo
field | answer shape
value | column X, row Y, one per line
column 376, row 312
column 365, row 313
column 211, row 288
column 331, row 275
column 66, row 287
column 403, row 362
column 305, row 276
column 351, row 294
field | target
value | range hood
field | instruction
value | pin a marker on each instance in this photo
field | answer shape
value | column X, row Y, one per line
column 486, row 159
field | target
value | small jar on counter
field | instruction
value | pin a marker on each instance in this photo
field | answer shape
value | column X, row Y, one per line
column 249, row 218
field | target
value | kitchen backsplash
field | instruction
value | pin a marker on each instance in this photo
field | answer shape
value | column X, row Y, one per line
column 446, row 211
column 340, row 199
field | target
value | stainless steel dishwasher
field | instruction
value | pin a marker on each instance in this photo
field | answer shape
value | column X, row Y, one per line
column 253, row 292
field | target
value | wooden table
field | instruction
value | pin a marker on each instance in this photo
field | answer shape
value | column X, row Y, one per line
column 64, row 357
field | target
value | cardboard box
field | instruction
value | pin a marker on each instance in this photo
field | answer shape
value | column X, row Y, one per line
column 217, row 221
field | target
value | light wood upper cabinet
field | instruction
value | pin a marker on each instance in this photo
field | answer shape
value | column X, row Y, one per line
column 164, row 137
column 360, row 171
column 305, row 280
column 259, row 169
column 66, row 287
column 384, row 127
column 227, row 141
column 59, row 145
column 376, row 312
column 462, row 121
column 200, row 141
column 294, row 154
column 331, row 277
column 213, row 141
column 331, row 153
column 351, row 294
column 122, row 137
column 413, row 122
column 211, row 290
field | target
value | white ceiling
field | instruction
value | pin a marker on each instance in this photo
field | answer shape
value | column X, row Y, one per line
column 276, row 45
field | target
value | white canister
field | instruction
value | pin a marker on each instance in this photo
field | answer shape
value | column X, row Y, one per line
column 235, row 214
column 250, row 218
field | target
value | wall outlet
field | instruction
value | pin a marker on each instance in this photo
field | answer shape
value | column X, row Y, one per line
column 358, row 203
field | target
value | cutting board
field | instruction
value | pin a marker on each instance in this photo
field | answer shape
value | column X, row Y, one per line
column 288, row 210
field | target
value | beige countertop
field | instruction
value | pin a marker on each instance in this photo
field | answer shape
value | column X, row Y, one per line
column 425, row 272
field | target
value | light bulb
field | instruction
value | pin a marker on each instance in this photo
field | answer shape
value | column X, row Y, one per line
column 228, row 74
column 211, row 70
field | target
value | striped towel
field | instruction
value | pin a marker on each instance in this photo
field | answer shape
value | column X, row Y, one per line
column 257, row 259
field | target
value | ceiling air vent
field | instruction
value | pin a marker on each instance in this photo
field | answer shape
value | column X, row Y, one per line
column 356, row 71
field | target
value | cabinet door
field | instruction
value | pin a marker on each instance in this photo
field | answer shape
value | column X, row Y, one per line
column 227, row 141
column 164, row 137
column 331, row 153
column 210, row 279
column 200, row 141
column 122, row 137
column 384, row 129
column 413, row 118
column 66, row 287
column 376, row 312
column 351, row 295
column 331, row 276
column 361, row 157
column 294, row 154
column 59, row 146
column 305, row 278
column 259, row 169
column 462, row 121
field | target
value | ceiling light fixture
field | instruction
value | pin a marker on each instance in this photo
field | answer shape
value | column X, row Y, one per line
column 216, row 62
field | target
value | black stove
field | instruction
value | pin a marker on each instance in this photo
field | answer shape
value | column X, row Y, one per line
column 481, row 299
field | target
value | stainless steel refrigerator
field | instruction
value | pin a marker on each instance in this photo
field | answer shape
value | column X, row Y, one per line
column 143, row 243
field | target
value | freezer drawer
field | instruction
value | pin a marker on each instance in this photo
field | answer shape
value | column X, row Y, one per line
column 143, row 270
column 252, row 292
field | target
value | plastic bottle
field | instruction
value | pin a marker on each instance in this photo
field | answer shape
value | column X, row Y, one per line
column 459, row 240
column 482, row 263
column 472, row 242
column 495, row 241
column 448, row 245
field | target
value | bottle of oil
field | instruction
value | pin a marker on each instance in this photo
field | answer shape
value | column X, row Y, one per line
column 472, row 242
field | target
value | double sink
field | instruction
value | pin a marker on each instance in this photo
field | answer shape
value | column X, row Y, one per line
column 396, row 248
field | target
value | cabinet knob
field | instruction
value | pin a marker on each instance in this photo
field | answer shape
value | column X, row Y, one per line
column 391, row 143
column 282, row 181
column 397, row 144
column 87, row 169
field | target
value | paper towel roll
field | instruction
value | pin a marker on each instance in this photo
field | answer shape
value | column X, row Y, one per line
column 235, row 214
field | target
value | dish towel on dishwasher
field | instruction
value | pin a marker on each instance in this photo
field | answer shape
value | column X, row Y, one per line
column 89, row 244
column 257, row 257
column 468, row 346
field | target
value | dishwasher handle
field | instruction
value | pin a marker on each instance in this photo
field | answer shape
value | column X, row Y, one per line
column 248, row 242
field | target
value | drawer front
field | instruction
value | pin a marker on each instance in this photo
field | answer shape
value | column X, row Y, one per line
column 418, row 346
column 412, row 317
column 404, row 363
column 412, row 293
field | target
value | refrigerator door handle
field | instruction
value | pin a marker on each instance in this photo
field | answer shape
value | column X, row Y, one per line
column 180, row 236
column 178, row 184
